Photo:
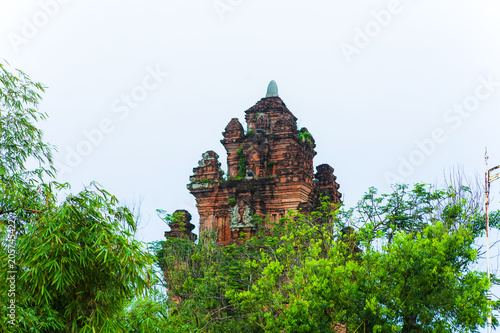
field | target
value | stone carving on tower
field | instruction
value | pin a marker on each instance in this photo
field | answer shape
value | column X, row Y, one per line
column 269, row 171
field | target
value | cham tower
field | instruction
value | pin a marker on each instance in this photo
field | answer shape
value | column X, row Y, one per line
column 269, row 171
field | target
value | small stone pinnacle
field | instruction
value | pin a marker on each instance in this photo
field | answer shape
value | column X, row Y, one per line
column 272, row 89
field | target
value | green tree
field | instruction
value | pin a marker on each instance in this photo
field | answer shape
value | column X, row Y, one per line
column 401, row 262
column 77, row 264
column 407, row 268
column 148, row 313
column 21, row 142
column 198, row 276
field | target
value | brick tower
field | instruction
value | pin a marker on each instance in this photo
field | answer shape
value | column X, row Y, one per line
column 270, row 171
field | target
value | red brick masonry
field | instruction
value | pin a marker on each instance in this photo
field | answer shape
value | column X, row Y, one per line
column 270, row 171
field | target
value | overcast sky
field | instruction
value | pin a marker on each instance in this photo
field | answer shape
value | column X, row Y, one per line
column 392, row 91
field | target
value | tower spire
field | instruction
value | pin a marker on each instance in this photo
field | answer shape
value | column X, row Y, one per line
column 272, row 89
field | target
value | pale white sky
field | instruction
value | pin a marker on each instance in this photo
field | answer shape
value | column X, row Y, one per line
column 138, row 90
column 369, row 79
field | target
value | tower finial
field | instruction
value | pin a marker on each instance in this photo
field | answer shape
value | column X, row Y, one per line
column 272, row 89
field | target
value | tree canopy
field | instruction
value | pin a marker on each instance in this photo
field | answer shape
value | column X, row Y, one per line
column 71, row 260
column 401, row 262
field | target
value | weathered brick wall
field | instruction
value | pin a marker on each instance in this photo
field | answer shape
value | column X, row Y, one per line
column 270, row 171
column 181, row 227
